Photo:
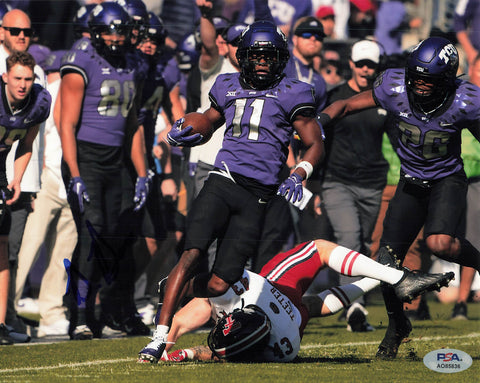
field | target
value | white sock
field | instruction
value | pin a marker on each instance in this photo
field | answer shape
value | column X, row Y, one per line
column 351, row 263
column 161, row 331
column 339, row 297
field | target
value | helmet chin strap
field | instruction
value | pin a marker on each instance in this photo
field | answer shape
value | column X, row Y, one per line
column 435, row 108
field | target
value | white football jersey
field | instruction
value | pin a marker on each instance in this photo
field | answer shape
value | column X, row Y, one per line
column 285, row 318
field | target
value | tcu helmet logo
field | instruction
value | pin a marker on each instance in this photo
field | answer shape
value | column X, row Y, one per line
column 446, row 53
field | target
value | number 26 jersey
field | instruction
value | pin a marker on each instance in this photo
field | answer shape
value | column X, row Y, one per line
column 429, row 146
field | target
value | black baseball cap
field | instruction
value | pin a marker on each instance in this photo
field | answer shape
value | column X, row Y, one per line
column 309, row 24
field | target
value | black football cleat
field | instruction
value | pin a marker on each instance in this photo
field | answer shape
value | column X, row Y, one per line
column 460, row 311
column 394, row 337
column 357, row 319
column 414, row 283
column 387, row 257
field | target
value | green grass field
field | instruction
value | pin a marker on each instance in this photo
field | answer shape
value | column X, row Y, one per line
column 329, row 353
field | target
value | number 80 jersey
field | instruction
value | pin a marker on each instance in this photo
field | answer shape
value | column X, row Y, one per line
column 429, row 146
column 109, row 95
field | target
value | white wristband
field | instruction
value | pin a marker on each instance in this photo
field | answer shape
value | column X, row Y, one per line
column 307, row 166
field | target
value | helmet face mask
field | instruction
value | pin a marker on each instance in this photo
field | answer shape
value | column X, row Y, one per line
column 430, row 74
column 139, row 16
column 109, row 19
column 262, row 65
column 155, row 30
column 262, row 55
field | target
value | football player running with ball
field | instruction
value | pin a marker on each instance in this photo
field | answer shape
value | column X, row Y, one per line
column 431, row 106
column 261, row 108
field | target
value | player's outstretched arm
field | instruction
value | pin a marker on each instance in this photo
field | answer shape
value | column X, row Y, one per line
column 341, row 108
column 190, row 317
column 202, row 353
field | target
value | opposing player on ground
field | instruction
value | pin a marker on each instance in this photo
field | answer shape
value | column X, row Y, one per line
column 261, row 318
column 431, row 106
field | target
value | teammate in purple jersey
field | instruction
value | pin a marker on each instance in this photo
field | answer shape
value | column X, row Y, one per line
column 120, row 312
column 260, row 113
column 150, row 224
column 431, row 107
column 24, row 107
column 97, row 123
column 163, row 75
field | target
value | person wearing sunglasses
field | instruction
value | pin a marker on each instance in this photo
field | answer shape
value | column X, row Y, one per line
column 307, row 42
column 355, row 170
column 16, row 36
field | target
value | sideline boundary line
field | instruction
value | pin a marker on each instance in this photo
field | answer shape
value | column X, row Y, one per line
column 306, row 347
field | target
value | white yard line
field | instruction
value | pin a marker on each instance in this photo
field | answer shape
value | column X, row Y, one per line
column 421, row 339
column 67, row 365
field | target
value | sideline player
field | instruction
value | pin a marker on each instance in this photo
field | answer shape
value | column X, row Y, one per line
column 97, row 122
column 25, row 106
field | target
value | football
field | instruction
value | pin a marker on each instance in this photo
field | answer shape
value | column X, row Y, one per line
column 200, row 123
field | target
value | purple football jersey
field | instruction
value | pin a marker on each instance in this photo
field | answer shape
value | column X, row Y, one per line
column 258, row 124
column 109, row 95
column 15, row 127
column 429, row 147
